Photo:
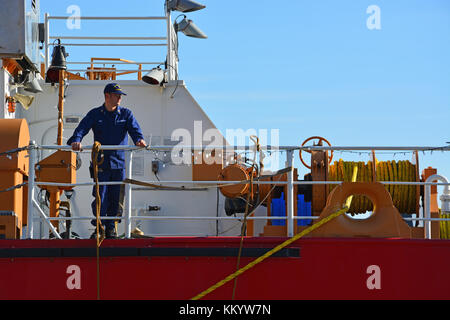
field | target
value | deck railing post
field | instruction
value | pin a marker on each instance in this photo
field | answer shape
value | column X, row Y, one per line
column 427, row 202
column 47, row 42
column 129, row 172
column 290, row 193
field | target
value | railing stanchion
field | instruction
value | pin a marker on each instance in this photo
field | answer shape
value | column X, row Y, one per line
column 128, row 194
column 31, row 176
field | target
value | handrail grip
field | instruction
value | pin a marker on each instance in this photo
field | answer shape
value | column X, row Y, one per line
column 106, row 38
column 107, row 18
column 231, row 182
column 111, row 62
column 267, row 147
column 114, row 44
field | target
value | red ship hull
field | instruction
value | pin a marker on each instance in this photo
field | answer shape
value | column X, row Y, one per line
column 180, row 268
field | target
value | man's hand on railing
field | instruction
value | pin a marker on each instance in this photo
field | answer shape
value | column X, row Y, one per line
column 141, row 143
column 76, row 146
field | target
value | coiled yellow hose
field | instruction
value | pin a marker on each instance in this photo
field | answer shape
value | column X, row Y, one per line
column 403, row 196
column 444, row 226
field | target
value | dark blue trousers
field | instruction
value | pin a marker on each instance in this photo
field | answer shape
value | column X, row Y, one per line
column 111, row 196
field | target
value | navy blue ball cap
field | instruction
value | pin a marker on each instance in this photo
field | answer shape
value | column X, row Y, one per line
column 113, row 88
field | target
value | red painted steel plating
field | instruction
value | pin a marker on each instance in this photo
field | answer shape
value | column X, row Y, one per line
column 325, row 269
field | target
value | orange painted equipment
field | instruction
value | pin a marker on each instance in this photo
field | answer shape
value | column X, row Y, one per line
column 385, row 221
column 14, row 170
column 318, row 144
column 234, row 172
column 9, row 226
column 11, row 104
column 206, row 166
column 58, row 167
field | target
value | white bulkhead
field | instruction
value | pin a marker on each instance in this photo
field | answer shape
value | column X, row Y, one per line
column 160, row 111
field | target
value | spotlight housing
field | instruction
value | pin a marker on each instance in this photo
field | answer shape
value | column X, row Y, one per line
column 154, row 77
column 188, row 27
column 184, row 5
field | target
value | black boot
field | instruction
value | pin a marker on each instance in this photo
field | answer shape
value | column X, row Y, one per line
column 111, row 233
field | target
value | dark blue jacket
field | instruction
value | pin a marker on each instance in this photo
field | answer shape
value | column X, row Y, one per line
column 109, row 128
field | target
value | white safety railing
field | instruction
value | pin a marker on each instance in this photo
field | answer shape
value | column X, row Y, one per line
column 150, row 41
column 290, row 217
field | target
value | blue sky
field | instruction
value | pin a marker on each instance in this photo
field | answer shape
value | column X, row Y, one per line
column 306, row 67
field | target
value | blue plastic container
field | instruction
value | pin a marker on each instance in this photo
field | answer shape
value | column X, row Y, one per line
column 278, row 209
column 304, row 210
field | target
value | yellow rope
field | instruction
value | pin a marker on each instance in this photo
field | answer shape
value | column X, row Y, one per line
column 95, row 164
column 255, row 139
column 280, row 246
column 269, row 253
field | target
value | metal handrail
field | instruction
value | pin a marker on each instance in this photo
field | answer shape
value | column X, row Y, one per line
column 114, row 44
column 106, row 70
column 106, row 38
column 267, row 148
column 107, row 18
column 113, row 62
column 47, row 37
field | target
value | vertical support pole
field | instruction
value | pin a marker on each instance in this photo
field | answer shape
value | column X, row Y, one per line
column 46, row 44
column 290, row 192
column 128, row 194
column 427, row 223
column 140, row 72
column 374, row 167
column 60, row 108
column 54, row 205
column 91, row 73
column 31, row 176
column 169, row 43
column 430, row 205
column 418, row 214
column 4, row 90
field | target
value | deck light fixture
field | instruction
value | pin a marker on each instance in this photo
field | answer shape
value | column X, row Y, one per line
column 184, row 5
column 58, row 63
column 188, row 27
column 33, row 84
column 154, row 77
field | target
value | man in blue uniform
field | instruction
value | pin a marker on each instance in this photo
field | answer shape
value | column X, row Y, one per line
column 111, row 125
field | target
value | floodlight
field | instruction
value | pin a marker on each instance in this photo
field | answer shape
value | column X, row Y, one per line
column 188, row 27
column 184, row 5
column 33, row 84
column 154, row 77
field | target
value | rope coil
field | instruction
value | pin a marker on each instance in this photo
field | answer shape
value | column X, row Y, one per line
column 403, row 196
column 444, row 226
